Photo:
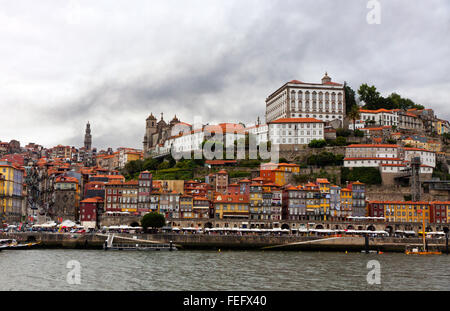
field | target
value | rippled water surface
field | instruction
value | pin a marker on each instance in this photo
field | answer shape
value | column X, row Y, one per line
column 226, row 270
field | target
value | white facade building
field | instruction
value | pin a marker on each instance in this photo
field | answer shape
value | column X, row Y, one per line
column 427, row 157
column 388, row 157
column 260, row 132
column 359, row 124
column 292, row 131
column 189, row 141
column 323, row 101
column 380, row 117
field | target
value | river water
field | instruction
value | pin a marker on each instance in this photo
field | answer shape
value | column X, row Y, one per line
column 223, row 271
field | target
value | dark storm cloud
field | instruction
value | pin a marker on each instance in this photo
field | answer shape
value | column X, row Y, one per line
column 223, row 65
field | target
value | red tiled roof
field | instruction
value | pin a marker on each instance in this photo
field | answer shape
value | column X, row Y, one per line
column 61, row 179
column 220, row 162
column 373, row 146
column 417, row 149
column 375, row 111
column 92, row 200
column 332, row 83
column 232, row 198
column 383, row 159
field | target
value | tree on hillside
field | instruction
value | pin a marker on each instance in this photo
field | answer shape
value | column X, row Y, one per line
column 369, row 95
column 350, row 100
column 317, row 143
column 151, row 164
column 354, row 115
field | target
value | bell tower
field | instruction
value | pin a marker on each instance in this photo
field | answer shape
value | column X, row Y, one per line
column 88, row 137
column 150, row 129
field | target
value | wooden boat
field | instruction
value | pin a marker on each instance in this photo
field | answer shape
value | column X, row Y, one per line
column 423, row 249
column 13, row 244
column 419, row 250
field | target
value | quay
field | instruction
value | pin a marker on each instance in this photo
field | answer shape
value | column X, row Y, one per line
column 228, row 242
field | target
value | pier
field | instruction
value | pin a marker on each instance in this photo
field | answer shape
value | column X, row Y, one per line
column 227, row 242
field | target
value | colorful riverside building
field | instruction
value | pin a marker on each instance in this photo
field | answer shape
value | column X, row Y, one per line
column 231, row 206
column 278, row 173
column 359, row 207
column 293, row 203
column 121, row 196
column 11, row 192
column 440, row 212
column 256, row 201
column 192, row 207
column 313, row 201
column 90, row 208
column 201, row 207
column 145, row 183
column 66, row 199
column 346, row 202
column 169, row 204
column 186, row 207
column 406, row 211
column 399, row 211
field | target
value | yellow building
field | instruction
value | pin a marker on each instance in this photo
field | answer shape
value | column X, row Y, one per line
column 398, row 211
column 130, row 196
column 172, row 185
column 289, row 167
column 442, row 127
column 12, row 191
column 186, row 207
column 231, row 206
column 256, row 200
column 2, row 192
column 324, row 185
column 346, row 202
column 280, row 177
column 313, row 200
column 133, row 156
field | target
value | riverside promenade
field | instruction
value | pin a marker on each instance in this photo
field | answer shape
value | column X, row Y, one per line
column 227, row 242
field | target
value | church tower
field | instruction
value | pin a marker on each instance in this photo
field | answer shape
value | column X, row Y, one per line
column 150, row 130
column 326, row 78
column 88, row 137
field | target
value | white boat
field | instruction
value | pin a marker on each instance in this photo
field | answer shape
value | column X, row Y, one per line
column 136, row 246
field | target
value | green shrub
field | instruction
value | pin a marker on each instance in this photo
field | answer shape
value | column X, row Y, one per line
column 367, row 175
column 317, row 143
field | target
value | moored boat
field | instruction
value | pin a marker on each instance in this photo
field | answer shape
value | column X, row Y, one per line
column 13, row 244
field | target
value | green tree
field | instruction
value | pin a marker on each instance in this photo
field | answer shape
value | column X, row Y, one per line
column 153, row 220
column 317, row 143
column 369, row 95
column 341, row 141
column 343, row 132
column 359, row 133
column 150, row 164
column 350, row 100
column 164, row 165
column 354, row 115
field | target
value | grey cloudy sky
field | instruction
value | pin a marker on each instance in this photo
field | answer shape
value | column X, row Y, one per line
column 112, row 62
